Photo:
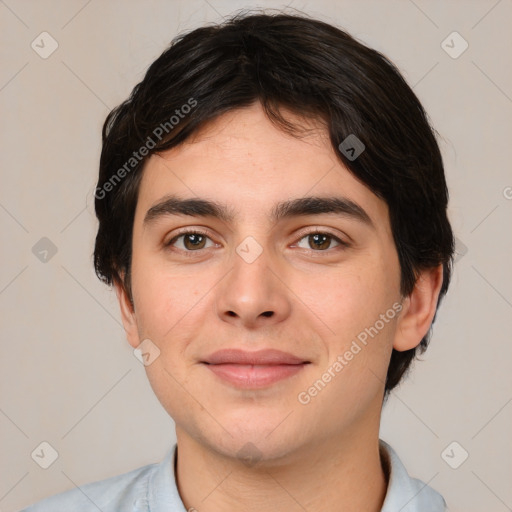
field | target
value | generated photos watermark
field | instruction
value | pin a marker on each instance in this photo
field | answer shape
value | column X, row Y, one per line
column 305, row 397
column 158, row 133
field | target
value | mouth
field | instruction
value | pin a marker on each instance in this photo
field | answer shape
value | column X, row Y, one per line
column 253, row 370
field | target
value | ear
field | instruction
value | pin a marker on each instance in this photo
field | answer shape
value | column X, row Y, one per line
column 419, row 309
column 127, row 315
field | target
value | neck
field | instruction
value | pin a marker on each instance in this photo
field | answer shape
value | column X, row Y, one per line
column 343, row 475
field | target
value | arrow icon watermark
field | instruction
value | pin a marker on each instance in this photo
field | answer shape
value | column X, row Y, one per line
column 351, row 147
column 147, row 352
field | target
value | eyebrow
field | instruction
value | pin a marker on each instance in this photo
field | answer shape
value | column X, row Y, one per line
column 313, row 205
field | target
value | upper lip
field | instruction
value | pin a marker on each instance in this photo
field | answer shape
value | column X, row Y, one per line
column 261, row 357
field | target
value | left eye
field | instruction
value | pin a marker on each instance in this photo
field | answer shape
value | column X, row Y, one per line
column 320, row 241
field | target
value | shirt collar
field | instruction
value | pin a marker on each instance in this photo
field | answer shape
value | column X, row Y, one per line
column 163, row 492
column 404, row 494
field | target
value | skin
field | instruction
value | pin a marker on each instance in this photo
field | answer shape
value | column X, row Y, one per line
column 320, row 456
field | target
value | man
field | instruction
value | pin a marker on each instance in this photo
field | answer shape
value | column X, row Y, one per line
column 272, row 215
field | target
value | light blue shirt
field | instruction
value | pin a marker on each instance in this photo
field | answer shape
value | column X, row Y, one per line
column 153, row 488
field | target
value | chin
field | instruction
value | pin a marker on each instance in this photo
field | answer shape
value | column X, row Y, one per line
column 254, row 449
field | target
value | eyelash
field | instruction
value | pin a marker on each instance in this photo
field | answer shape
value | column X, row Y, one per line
column 342, row 244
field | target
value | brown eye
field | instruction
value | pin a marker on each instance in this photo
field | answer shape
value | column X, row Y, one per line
column 319, row 241
column 191, row 241
column 194, row 241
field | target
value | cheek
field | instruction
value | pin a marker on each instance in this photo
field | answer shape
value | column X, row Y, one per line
column 355, row 305
column 168, row 309
column 161, row 299
column 362, row 323
column 351, row 297
column 171, row 306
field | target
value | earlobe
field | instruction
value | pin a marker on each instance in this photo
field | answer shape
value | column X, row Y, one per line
column 418, row 309
column 127, row 315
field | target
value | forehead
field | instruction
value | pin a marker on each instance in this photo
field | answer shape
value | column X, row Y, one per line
column 243, row 160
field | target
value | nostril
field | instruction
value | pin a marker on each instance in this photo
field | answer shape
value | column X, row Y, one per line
column 268, row 313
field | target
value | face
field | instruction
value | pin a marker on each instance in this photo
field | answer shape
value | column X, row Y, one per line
column 312, row 283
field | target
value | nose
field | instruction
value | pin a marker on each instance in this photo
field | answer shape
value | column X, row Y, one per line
column 254, row 292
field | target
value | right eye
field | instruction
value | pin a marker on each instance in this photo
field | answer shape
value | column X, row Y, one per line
column 193, row 241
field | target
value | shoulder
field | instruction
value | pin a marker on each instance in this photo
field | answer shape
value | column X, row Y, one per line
column 122, row 492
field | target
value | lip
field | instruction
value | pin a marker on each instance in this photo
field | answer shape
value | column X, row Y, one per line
column 261, row 357
column 253, row 370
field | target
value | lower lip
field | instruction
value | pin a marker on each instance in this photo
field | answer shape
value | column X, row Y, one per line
column 254, row 376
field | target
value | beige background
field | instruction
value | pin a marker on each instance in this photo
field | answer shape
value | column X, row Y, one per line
column 67, row 375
